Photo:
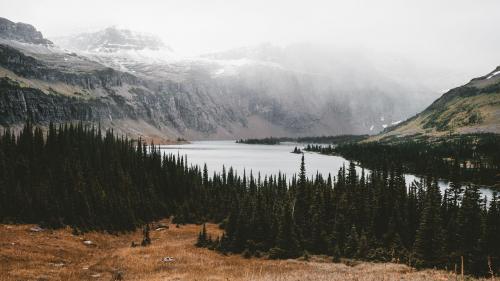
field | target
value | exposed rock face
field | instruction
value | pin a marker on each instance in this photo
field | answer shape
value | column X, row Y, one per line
column 106, row 78
column 18, row 104
column 21, row 32
column 102, row 94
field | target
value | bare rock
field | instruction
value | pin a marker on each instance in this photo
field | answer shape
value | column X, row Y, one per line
column 167, row 259
column 36, row 229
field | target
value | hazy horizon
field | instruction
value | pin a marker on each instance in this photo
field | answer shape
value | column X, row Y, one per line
column 454, row 36
column 196, row 26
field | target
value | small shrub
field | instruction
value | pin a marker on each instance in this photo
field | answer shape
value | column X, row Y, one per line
column 306, row 255
column 247, row 254
column 223, row 223
column 336, row 254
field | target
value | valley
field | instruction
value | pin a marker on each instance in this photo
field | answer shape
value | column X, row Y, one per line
column 107, row 183
column 249, row 140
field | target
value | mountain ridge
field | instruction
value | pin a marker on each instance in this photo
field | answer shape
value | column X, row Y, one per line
column 209, row 97
column 21, row 32
column 468, row 109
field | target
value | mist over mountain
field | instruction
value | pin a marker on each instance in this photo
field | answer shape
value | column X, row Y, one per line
column 112, row 39
column 147, row 89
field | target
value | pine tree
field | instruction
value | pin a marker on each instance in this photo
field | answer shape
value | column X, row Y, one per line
column 146, row 240
column 470, row 225
column 492, row 228
column 202, row 238
column 429, row 239
column 301, row 206
column 363, row 247
column 351, row 245
column 286, row 240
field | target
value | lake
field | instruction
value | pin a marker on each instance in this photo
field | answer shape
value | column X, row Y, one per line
column 265, row 159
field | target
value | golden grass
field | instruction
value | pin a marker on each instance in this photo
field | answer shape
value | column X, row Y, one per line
column 59, row 255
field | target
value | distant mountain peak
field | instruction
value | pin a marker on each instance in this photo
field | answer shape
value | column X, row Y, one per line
column 113, row 39
column 21, row 32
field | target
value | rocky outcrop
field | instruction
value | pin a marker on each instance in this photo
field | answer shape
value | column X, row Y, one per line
column 18, row 104
column 21, row 32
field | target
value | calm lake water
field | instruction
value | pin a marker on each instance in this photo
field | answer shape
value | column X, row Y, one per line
column 265, row 159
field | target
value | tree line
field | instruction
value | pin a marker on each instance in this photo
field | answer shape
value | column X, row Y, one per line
column 75, row 175
column 340, row 139
column 368, row 216
column 476, row 157
column 270, row 140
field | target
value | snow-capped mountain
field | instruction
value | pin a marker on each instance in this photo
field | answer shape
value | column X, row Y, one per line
column 136, row 84
column 112, row 39
column 122, row 49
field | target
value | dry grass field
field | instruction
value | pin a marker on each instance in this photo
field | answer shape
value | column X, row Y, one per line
column 59, row 255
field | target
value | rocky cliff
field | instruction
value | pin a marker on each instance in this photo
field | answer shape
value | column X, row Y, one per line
column 133, row 83
column 21, row 32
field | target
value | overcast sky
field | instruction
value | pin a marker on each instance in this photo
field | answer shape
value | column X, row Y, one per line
column 463, row 33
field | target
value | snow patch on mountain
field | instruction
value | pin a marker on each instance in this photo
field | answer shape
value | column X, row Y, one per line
column 119, row 47
column 493, row 74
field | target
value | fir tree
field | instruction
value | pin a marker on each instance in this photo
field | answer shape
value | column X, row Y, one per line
column 287, row 240
column 469, row 234
column 429, row 240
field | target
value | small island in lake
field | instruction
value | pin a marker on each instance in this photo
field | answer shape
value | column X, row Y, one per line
column 271, row 141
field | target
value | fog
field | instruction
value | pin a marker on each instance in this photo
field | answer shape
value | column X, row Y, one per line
column 456, row 36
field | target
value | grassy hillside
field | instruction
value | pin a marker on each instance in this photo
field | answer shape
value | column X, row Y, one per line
column 59, row 255
column 472, row 108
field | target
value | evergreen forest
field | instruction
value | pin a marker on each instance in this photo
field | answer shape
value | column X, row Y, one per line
column 75, row 175
column 471, row 158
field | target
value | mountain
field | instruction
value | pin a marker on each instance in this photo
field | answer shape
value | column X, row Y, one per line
column 121, row 49
column 21, row 32
column 471, row 108
column 136, row 84
column 113, row 39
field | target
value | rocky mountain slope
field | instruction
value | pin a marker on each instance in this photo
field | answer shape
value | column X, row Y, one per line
column 137, row 85
column 21, row 32
column 471, row 108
